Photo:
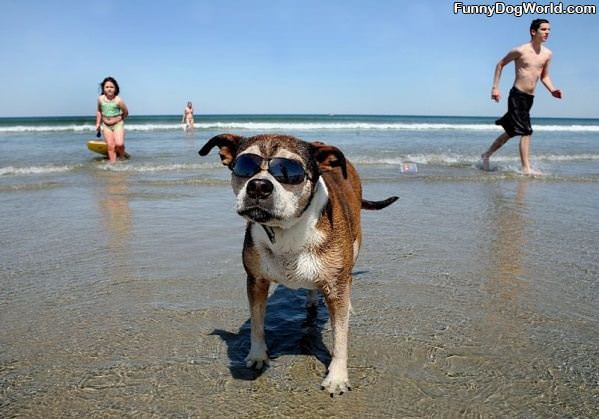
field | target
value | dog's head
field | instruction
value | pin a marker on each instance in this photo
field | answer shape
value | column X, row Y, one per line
column 274, row 176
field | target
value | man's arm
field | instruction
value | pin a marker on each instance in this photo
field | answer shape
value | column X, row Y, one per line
column 511, row 56
column 546, row 80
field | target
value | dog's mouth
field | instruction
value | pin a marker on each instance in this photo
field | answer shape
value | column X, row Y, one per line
column 257, row 215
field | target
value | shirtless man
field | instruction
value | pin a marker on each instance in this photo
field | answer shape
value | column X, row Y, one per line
column 532, row 63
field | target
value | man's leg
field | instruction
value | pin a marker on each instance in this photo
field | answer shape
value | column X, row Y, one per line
column 500, row 141
column 524, row 146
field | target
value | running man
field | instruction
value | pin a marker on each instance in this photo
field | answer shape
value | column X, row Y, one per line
column 532, row 63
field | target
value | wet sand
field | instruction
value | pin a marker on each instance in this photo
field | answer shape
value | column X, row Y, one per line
column 471, row 299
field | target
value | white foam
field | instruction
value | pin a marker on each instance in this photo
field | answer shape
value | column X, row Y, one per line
column 299, row 126
column 450, row 159
column 399, row 126
column 48, row 128
column 566, row 128
column 159, row 168
column 34, row 170
column 571, row 157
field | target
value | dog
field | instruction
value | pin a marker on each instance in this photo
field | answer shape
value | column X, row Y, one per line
column 302, row 204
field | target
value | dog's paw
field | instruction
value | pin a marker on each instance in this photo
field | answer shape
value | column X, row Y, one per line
column 257, row 359
column 336, row 382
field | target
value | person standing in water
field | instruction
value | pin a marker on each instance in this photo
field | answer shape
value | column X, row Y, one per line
column 188, row 116
column 111, row 114
column 532, row 64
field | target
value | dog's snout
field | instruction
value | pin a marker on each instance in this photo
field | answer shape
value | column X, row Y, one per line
column 259, row 188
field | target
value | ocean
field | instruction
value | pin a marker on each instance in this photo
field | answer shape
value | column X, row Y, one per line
column 122, row 291
column 441, row 146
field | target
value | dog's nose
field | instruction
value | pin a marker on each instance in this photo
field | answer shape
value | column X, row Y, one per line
column 259, row 188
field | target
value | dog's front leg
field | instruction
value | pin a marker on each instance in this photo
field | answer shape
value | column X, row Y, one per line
column 257, row 290
column 338, row 303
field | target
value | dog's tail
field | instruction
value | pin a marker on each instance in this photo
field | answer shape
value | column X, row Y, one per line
column 377, row 205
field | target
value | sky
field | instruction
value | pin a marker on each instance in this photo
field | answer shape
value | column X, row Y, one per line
column 282, row 57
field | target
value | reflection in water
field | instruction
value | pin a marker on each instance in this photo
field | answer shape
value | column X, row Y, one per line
column 189, row 132
column 116, row 216
column 507, row 276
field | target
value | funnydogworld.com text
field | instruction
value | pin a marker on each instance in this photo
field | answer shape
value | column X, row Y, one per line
column 524, row 8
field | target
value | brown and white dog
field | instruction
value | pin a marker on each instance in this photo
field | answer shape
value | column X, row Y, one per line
column 302, row 202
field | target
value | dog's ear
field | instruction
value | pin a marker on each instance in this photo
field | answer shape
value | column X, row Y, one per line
column 328, row 157
column 227, row 145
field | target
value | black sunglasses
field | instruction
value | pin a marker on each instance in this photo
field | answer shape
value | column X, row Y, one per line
column 284, row 170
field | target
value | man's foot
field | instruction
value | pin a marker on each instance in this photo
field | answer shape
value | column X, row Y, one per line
column 527, row 171
column 485, row 162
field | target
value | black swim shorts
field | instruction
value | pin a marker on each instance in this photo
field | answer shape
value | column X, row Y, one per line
column 517, row 119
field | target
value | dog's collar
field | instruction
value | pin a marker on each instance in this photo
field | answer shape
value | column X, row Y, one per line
column 270, row 232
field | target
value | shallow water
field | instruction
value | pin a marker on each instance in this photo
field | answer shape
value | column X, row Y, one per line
column 467, row 303
column 122, row 293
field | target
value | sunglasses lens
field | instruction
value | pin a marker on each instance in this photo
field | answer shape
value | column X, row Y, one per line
column 287, row 171
column 247, row 165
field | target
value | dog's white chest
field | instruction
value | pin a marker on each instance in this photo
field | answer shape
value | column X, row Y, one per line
column 294, row 271
column 290, row 256
column 290, row 260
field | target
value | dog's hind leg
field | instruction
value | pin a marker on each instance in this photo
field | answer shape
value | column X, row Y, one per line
column 257, row 290
column 312, row 299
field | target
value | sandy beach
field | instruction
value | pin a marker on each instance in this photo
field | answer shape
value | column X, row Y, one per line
column 472, row 310
column 122, row 291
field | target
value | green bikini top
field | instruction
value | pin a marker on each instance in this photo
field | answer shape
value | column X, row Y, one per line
column 111, row 108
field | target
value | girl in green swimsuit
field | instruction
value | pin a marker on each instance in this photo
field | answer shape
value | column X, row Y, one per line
column 111, row 113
